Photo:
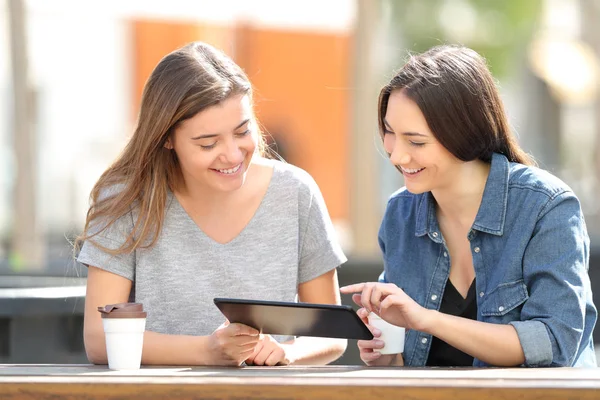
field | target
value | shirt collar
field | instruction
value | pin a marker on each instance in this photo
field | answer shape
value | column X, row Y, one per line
column 492, row 211
column 426, row 219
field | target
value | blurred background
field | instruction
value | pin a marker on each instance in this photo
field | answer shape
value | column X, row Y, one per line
column 72, row 73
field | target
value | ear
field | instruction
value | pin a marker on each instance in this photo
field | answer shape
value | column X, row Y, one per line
column 169, row 144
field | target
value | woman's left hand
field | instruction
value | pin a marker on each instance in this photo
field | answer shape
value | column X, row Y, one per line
column 390, row 303
column 268, row 352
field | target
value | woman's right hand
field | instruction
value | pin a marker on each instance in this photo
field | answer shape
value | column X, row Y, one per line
column 368, row 349
column 232, row 344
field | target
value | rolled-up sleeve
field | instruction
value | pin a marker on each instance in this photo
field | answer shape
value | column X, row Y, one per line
column 535, row 342
column 555, row 267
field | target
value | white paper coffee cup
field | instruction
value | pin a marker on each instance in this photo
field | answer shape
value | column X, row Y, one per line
column 391, row 335
column 124, row 342
column 124, row 326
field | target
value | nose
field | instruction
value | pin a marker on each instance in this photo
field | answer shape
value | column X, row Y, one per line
column 399, row 155
column 232, row 153
column 400, row 158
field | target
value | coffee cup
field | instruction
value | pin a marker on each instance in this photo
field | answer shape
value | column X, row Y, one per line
column 391, row 335
column 124, row 325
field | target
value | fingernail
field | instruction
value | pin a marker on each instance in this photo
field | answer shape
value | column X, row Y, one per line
column 378, row 343
column 376, row 332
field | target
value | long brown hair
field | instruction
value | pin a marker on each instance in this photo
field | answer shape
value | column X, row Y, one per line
column 184, row 82
column 457, row 94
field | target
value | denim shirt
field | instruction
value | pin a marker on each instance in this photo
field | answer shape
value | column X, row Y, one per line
column 530, row 252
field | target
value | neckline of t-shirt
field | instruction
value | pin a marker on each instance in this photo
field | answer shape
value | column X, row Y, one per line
column 259, row 211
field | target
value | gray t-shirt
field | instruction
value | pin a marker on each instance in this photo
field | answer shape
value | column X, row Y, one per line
column 290, row 240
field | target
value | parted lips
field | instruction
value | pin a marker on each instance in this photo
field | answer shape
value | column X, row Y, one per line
column 123, row 310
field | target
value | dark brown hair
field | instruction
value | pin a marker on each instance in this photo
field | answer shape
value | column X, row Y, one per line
column 184, row 82
column 457, row 94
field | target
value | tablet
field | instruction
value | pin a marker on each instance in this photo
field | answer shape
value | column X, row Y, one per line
column 295, row 319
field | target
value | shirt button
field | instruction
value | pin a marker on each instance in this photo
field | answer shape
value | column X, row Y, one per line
column 445, row 254
column 434, row 234
column 434, row 297
column 481, row 294
column 424, row 340
column 476, row 249
column 500, row 308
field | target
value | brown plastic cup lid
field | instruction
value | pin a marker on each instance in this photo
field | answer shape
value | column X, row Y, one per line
column 123, row 310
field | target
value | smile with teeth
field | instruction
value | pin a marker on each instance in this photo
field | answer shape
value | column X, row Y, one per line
column 411, row 171
column 230, row 170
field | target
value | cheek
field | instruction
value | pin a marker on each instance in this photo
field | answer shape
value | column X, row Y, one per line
column 388, row 143
column 193, row 159
column 444, row 159
column 251, row 142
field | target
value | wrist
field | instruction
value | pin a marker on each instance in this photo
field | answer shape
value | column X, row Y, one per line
column 429, row 321
column 290, row 355
column 398, row 360
column 202, row 350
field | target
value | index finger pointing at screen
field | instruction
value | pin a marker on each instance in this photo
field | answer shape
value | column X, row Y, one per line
column 356, row 288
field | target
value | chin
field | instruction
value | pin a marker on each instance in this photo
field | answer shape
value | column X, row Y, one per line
column 231, row 186
column 415, row 189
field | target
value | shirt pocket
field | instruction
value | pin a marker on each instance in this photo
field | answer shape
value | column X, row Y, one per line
column 502, row 304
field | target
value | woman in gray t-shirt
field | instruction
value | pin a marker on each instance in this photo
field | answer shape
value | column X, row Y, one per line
column 191, row 211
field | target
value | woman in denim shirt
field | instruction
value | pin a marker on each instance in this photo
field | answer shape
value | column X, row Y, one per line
column 485, row 255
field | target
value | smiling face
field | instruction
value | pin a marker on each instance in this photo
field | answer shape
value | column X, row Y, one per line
column 215, row 147
column 424, row 162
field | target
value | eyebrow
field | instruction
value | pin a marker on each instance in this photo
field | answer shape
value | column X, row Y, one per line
column 389, row 128
column 413, row 134
column 212, row 135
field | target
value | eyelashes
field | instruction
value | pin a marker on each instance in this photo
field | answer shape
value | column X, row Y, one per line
column 213, row 145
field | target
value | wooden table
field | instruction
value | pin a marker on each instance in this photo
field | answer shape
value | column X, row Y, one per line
column 327, row 382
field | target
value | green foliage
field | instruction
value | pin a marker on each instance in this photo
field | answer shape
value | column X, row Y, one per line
column 497, row 29
column 16, row 262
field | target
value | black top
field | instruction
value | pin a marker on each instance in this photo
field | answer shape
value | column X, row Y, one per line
column 441, row 353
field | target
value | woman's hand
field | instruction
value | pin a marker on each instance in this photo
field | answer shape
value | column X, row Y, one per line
column 269, row 352
column 232, row 344
column 390, row 303
column 368, row 348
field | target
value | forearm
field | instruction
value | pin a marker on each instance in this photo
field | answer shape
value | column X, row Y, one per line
column 312, row 350
column 494, row 344
column 397, row 361
column 158, row 349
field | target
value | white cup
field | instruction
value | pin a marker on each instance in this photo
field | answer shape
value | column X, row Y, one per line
column 124, row 341
column 391, row 335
